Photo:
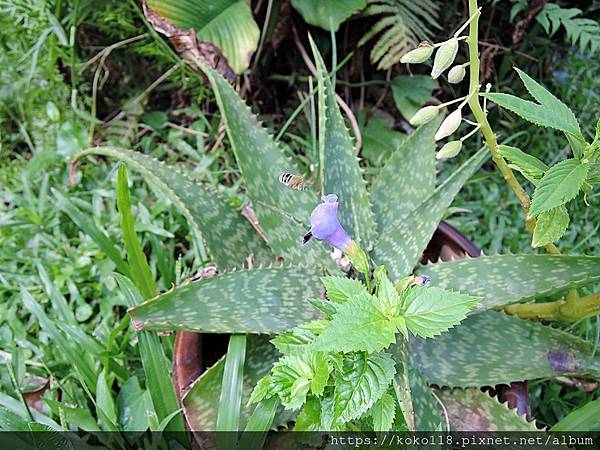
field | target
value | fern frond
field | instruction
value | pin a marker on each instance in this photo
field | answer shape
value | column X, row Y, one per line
column 581, row 32
column 404, row 24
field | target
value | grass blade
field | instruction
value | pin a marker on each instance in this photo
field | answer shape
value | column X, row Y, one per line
column 228, row 418
column 90, row 228
column 138, row 265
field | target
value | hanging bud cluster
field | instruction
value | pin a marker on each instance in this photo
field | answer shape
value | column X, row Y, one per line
column 444, row 58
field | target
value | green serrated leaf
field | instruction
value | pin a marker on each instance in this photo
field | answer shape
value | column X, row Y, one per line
column 293, row 342
column 340, row 172
column 320, row 13
column 228, row 24
column 530, row 167
column 550, row 226
column 294, row 376
column 561, row 183
column 359, row 325
column 364, row 381
column 283, row 213
column 340, row 289
column 523, row 350
column 429, row 311
column 384, row 413
column 228, row 235
column 401, row 244
column 551, row 112
column 504, row 279
column 201, row 401
column 407, row 178
column 267, row 300
column 473, row 410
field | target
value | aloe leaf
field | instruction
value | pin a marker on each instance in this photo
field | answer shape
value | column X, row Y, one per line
column 522, row 350
column 282, row 212
column 264, row 300
column 407, row 178
column 228, row 235
column 155, row 363
column 504, row 279
column 473, row 410
column 401, row 245
column 228, row 24
column 201, row 402
column 419, row 407
column 340, row 171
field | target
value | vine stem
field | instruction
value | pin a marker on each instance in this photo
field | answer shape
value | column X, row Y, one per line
column 486, row 129
column 571, row 308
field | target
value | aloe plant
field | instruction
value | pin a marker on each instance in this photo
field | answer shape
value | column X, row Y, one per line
column 361, row 356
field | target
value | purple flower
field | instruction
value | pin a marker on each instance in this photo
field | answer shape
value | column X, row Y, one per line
column 326, row 226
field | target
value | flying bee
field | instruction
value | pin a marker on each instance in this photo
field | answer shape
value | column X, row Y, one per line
column 293, row 181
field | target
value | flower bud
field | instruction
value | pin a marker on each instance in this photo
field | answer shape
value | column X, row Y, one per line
column 420, row 54
column 444, row 57
column 450, row 150
column 456, row 74
column 449, row 125
column 424, row 115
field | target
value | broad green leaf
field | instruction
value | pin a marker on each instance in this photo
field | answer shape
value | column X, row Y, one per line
column 379, row 140
column 581, row 419
column 364, row 380
column 401, row 244
column 340, row 172
column 228, row 418
column 134, row 406
column 319, row 13
column 504, row 279
column 550, row 112
column 559, row 184
column 550, row 226
column 384, row 412
column 359, row 325
column 156, row 365
column 228, row 24
column 340, row 289
column 411, row 92
column 530, row 167
column 430, row 311
column 522, row 350
column 90, row 228
column 473, row 410
column 201, row 402
column 283, row 213
column 407, row 178
column 106, row 409
column 140, row 271
column 266, row 300
column 228, row 235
